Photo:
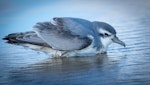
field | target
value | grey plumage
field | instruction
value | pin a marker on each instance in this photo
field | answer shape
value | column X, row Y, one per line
column 75, row 26
column 70, row 35
column 104, row 26
column 25, row 37
column 60, row 38
column 81, row 27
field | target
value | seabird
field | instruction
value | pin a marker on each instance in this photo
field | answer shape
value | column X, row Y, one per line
column 67, row 36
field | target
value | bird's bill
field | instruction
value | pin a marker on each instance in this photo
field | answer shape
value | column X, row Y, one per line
column 116, row 40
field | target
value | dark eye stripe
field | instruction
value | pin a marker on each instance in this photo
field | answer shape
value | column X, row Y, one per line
column 101, row 34
column 106, row 34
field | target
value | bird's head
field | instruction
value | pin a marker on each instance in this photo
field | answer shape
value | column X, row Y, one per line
column 107, row 34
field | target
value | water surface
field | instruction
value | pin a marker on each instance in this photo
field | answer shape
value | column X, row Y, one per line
column 120, row 66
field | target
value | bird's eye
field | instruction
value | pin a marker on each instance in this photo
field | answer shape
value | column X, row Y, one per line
column 106, row 34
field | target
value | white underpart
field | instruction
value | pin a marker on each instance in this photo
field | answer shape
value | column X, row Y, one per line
column 47, row 50
column 106, row 41
column 88, row 51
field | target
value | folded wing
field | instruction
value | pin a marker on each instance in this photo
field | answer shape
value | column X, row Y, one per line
column 80, row 27
column 60, row 37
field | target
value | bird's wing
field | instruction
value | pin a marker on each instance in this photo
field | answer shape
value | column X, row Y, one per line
column 80, row 27
column 59, row 37
column 76, row 26
column 26, row 37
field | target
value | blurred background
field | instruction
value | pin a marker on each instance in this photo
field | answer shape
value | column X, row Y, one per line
column 128, row 66
column 21, row 15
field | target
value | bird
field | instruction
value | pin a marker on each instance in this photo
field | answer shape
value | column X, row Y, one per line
column 67, row 36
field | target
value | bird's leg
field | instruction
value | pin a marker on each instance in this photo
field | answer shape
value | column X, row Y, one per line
column 68, row 54
column 104, row 52
column 55, row 54
column 64, row 54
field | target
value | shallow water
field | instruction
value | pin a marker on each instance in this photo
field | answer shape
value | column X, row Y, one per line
column 120, row 66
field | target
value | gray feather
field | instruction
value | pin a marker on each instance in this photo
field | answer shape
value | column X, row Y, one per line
column 26, row 37
column 80, row 27
column 105, row 26
column 76, row 26
column 60, row 38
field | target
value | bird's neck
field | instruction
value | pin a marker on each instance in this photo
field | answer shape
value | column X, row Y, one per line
column 105, row 43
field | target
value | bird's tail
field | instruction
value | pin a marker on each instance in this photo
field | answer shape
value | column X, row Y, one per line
column 13, row 38
column 29, row 37
column 30, row 40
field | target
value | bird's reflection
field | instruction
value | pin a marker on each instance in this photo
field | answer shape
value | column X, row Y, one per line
column 70, row 64
column 59, row 68
column 67, row 64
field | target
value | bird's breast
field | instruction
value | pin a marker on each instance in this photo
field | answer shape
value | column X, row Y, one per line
column 105, row 43
column 88, row 50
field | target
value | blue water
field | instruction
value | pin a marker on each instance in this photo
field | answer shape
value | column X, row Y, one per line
column 120, row 66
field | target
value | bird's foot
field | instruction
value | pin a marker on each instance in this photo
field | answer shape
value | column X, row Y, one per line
column 102, row 53
column 68, row 54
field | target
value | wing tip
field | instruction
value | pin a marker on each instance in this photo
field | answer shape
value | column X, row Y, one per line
column 40, row 26
column 10, row 38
